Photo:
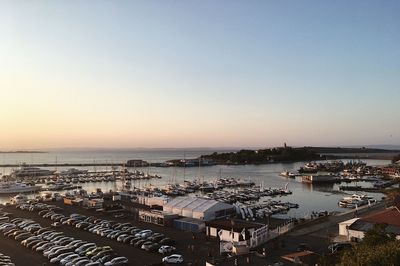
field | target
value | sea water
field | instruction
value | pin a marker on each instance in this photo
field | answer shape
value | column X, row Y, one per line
column 310, row 197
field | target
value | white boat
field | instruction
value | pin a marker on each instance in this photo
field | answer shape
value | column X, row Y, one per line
column 287, row 174
column 356, row 200
column 12, row 188
column 73, row 171
column 319, row 178
column 25, row 171
column 357, row 197
column 20, row 198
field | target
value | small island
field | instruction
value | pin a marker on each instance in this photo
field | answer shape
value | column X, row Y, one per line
column 297, row 154
column 262, row 156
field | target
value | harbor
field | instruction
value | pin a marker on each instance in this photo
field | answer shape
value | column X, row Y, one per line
column 228, row 183
column 249, row 206
column 200, row 133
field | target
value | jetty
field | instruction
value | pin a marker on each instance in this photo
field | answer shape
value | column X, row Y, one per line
column 359, row 188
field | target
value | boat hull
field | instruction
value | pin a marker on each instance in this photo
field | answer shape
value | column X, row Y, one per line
column 20, row 190
column 318, row 179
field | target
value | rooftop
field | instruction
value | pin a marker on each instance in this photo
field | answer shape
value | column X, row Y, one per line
column 191, row 220
column 195, row 203
column 304, row 257
column 390, row 216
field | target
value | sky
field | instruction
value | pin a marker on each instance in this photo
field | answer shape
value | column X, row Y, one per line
column 199, row 73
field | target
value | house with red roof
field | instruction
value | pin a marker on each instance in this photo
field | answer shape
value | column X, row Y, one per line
column 355, row 229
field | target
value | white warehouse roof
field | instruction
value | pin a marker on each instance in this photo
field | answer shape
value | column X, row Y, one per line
column 186, row 206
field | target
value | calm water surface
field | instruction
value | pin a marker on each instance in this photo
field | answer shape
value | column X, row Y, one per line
column 309, row 197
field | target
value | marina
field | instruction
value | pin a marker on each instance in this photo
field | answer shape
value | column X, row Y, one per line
column 216, row 133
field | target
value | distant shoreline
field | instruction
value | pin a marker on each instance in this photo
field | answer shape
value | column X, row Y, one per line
column 23, row 152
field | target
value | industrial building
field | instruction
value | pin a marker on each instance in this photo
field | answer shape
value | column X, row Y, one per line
column 189, row 224
column 199, row 208
column 232, row 230
column 152, row 202
column 157, row 217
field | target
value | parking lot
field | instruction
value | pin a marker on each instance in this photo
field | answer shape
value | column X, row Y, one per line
column 194, row 250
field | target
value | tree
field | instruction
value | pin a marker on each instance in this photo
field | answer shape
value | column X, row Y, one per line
column 377, row 236
column 378, row 248
column 380, row 255
column 392, row 196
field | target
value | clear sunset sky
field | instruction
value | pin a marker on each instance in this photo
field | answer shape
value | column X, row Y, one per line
column 198, row 73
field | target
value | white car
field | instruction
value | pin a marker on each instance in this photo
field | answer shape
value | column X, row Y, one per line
column 166, row 249
column 117, row 261
column 68, row 259
column 144, row 233
column 175, row 258
column 56, row 224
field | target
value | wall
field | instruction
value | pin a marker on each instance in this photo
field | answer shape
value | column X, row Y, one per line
column 356, row 234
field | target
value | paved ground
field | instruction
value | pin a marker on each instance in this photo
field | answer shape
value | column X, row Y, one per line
column 330, row 225
column 196, row 251
column 317, row 235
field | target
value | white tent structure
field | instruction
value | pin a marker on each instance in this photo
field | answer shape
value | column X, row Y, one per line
column 199, row 208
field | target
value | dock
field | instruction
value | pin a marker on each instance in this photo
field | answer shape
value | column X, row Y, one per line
column 359, row 188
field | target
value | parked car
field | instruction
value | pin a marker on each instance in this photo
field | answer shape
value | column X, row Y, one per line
column 121, row 238
column 75, row 260
column 166, row 249
column 85, row 247
column 39, row 244
column 139, row 243
column 97, row 250
column 167, row 241
column 146, row 245
column 45, row 246
column 106, row 258
column 175, row 258
column 154, row 247
column 56, row 224
column 69, row 258
column 117, row 261
column 102, row 254
column 134, row 240
column 94, row 264
column 82, row 262
column 23, row 236
column 60, row 257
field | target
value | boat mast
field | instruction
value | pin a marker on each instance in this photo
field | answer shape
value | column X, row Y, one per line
column 198, row 173
column 184, row 165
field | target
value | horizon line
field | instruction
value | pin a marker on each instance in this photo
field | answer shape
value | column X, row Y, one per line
column 196, row 148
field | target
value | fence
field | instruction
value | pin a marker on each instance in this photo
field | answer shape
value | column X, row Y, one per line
column 263, row 234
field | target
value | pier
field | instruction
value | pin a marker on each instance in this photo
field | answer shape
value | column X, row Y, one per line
column 359, row 188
